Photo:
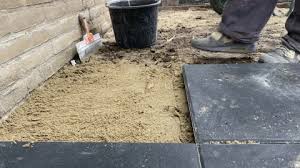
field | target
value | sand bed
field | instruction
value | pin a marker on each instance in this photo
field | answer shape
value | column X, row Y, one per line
column 100, row 101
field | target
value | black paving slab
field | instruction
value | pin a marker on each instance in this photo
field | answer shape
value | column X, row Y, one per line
column 98, row 155
column 250, row 156
column 259, row 102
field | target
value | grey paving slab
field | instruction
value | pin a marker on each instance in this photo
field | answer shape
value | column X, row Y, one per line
column 98, row 155
column 250, row 156
column 259, row 102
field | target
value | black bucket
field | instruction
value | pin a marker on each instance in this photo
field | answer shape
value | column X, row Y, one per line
column 134, row 22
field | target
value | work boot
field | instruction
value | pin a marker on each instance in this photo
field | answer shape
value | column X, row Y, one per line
column 220, row 43
column 282, row 54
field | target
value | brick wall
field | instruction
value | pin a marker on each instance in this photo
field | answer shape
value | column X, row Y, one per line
column 37, row 38
column 170, row 2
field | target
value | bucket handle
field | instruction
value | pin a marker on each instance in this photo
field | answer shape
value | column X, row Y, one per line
column 131, row 7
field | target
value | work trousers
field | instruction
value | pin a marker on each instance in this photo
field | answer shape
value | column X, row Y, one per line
column 243, row 21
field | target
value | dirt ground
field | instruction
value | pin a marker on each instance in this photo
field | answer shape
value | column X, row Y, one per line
column 128, row 95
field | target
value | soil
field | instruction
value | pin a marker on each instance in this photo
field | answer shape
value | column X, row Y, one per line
column 123, row 95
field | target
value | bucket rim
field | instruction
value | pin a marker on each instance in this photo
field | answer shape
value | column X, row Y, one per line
column 133, row 7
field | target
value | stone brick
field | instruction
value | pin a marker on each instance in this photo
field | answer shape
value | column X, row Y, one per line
column 65, row 40
column 35, row 58
column 96, row 11
column 2, row 110
column 8, row 75
column 54, row 10
column 18, row 68
column 34, row 2
column 171, row 3
column 20, row 90
column 102, row 23
column 73, row 6
column 14, row 94
column 57, row 61
column 3, row 28
column 88, row 3
column 8, row 4
column 100, row 2
column 103, row 15
column 15, row 47
column 62, row 26
column 22, row 19
column 103, row 28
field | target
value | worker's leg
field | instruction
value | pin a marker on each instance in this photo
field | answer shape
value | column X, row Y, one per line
column 289, row 52
column 292, row 39
column 241, row 25
column 243, row 20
